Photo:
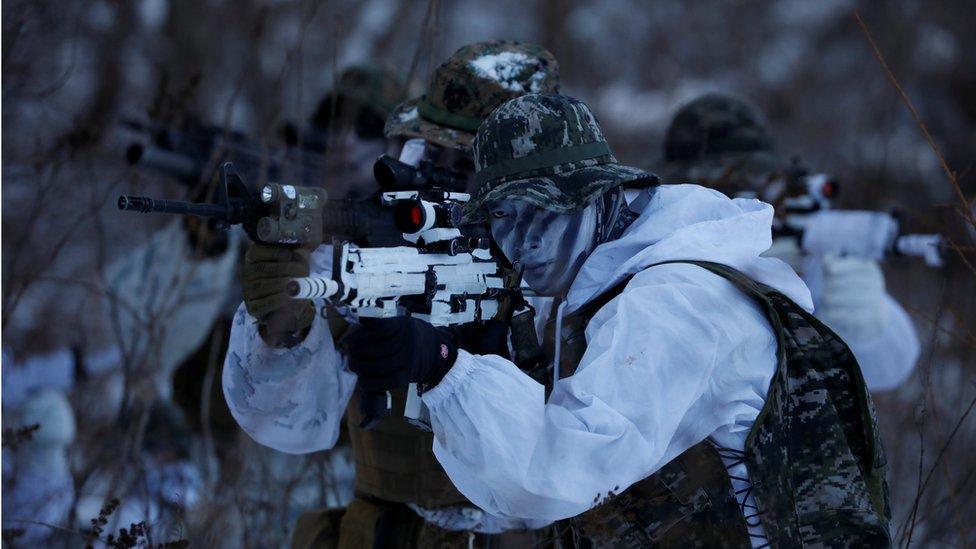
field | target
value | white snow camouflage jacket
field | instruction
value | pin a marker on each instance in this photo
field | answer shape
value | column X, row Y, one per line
column 678, row 356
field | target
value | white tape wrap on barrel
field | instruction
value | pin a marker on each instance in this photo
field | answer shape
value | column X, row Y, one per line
column 926, row 246
column 313, row 288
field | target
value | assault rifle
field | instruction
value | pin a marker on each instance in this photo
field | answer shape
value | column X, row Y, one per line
column 192, row 155
column 445, row 279
column 436, row 274
column 875, row 235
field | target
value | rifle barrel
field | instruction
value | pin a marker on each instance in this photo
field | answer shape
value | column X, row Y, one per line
column 146, row 204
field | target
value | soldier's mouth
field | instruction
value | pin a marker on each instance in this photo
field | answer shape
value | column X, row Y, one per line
column 530, row 267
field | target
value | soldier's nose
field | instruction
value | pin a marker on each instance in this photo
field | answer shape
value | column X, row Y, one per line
column 531, row 245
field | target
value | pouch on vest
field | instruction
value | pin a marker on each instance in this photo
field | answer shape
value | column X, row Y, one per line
column 395, row 461
column 317, row 529
column 370, row 524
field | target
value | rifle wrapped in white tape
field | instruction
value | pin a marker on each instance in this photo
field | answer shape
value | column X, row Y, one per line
column 442, row 289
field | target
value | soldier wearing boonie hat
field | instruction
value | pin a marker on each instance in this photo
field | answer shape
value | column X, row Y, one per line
column 464, row 90
column 695, row 401
column 547, row 150
column 404, row 498
column 724, row 142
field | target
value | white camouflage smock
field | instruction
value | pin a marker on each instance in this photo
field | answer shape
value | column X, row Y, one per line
column 679, row 356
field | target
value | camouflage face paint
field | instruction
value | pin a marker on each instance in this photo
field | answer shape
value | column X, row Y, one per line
column 549, row 247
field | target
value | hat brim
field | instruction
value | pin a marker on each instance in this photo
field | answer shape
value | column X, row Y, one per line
column 405, row 121
column 547, row 192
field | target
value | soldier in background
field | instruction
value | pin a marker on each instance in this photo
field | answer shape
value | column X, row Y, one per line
column 404, row 498
column 347, row 129
column 169, row 302
column 724, row 143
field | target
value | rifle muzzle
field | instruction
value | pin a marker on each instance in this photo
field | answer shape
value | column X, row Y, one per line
column 135, row 203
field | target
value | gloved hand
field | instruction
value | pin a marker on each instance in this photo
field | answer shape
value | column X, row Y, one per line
column 282, row 321
column 484, row 338
column 853, row 298
column 387, row 353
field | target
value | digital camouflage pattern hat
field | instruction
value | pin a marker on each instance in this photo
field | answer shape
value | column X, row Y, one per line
column 548, row 150
column 361, row 86
column 717, row 137
column 464, row 89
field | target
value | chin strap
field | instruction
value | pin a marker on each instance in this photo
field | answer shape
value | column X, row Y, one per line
column 558, row 347
column 613, row 215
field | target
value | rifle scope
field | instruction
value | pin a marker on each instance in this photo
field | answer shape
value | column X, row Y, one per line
column 417, row 215
column 821, row 186
column 393, row 175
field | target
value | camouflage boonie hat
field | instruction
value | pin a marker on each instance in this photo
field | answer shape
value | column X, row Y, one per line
column 465, row 89
column 717, row 137
column 547, row 150
column 363, row 86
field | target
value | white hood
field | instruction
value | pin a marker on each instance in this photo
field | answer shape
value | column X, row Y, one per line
column 690, row 222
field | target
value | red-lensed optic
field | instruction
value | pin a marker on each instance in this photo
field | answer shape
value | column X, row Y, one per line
column 829, row 189
column 409, row 216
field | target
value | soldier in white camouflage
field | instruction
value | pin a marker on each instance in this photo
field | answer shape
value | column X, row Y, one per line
column 723, row 142
column 696, row 402
column 292, row 397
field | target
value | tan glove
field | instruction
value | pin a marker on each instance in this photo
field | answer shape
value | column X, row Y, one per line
column 282, row 321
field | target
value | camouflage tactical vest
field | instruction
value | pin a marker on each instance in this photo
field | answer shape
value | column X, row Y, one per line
column 395, row 461
column 814, row 455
